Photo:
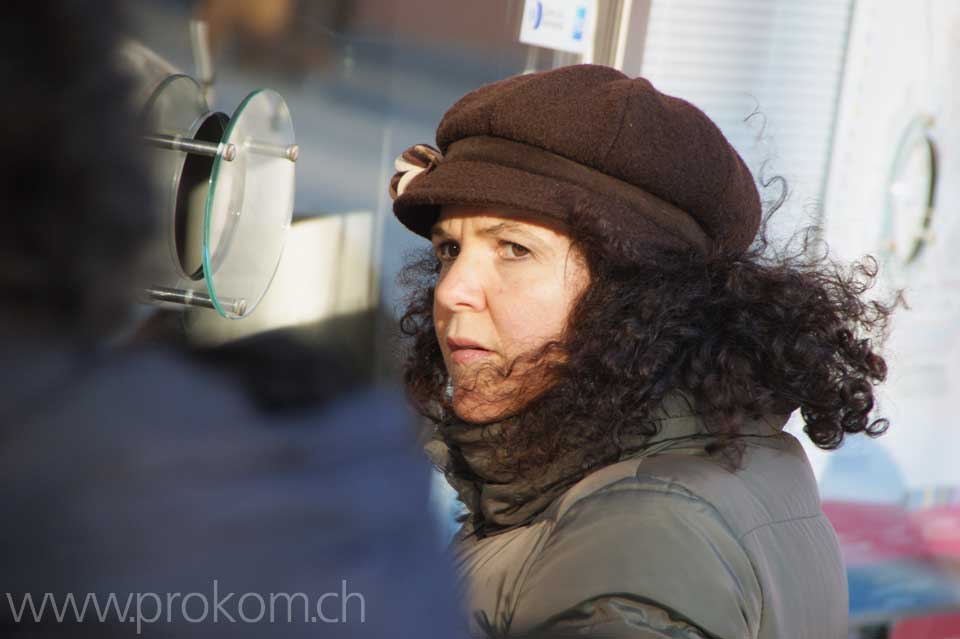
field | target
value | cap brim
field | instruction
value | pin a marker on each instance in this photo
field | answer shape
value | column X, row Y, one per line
column 484, row 184
column 473, row 183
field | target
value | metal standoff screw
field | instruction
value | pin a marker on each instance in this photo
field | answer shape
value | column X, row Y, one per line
column 187, row 297
column 288, row 152
column 197, row 147
column 237, row 307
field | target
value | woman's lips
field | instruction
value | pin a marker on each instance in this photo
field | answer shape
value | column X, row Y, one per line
column 466, row 355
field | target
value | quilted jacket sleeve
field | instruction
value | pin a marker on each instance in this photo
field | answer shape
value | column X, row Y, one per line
column 646, row 560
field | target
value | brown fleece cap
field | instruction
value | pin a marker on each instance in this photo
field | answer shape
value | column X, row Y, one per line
column 586, row 142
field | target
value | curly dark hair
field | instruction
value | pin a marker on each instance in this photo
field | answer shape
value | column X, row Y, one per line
column 762, row 332
column 75, row 188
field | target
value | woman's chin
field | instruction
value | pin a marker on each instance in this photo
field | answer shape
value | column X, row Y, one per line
column 476, row 411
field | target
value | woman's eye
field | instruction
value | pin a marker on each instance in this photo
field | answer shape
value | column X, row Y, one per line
column 447, row 250
column 516, row 251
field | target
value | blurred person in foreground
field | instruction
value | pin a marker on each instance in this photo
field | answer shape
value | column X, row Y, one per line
column 248, row 490
column 610, row 348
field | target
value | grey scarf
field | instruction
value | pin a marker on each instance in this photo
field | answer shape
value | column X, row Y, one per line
column 498, row 499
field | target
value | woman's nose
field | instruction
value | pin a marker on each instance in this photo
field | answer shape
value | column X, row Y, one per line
column 461, row 287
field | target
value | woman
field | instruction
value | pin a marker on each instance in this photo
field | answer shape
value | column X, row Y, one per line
column 610, row 353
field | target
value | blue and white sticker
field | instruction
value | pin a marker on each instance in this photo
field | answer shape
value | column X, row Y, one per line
column 564, row 25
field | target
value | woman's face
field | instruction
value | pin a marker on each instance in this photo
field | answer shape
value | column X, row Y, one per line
column 507, row 282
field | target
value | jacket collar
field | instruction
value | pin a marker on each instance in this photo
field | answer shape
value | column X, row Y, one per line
column 498, row 501
column 680, row 420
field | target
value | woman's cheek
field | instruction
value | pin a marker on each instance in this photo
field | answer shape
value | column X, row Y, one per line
column 532, row 321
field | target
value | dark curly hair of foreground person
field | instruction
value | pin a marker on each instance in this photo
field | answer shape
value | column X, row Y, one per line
column 771, row 330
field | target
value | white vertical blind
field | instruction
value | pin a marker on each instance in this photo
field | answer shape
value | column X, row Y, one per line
column 781, row 58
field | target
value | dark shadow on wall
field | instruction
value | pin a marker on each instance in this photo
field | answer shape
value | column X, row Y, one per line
column 296, row 366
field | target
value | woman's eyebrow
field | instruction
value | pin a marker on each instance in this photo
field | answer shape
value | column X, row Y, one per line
column 495, row 229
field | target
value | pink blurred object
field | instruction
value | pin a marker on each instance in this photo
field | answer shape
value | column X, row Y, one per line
column 940, row 529
column 942, row 626
column 872, row 532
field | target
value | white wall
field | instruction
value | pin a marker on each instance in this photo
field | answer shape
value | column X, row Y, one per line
column 324, row 272
column 780, row 58
column 904, row 61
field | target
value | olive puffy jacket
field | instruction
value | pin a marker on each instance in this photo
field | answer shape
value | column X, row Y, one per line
column 671, row 544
